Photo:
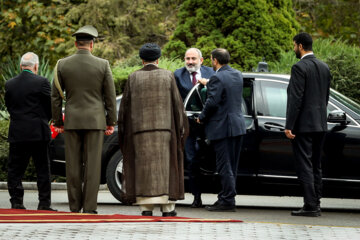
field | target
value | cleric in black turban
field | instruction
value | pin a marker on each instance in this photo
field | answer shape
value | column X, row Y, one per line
column 150, row 52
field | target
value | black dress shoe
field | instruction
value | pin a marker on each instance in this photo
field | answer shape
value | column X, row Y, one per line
column 46, row 208
column 221, row 208
column 90, row 212
column 306, row 213
column 17, row 206
column 169, row 214
column 197, row 203
column 146, row 213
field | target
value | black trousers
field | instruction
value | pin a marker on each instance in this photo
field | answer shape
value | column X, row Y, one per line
column 19, row 156
column 193, row 163
column 227, row 160
column 307, row 148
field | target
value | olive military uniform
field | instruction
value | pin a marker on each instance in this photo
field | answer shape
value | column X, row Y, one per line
column 90, row 106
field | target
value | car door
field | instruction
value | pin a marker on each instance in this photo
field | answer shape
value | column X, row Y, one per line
column 341, row 152
column 342, row 147
column 194, row 104
column 275, row 151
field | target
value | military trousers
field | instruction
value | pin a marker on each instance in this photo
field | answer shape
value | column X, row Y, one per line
column 83, row 168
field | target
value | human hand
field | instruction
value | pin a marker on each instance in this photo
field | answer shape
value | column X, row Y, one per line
column 59, row 129
column 203, row 81
column 289, row 134
column 109, row 130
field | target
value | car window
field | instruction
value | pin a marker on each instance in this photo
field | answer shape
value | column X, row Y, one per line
column 197, row 98
column 195, row 101
column 275, row 98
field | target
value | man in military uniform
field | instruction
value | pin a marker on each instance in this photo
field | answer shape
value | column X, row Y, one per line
column 90, row 109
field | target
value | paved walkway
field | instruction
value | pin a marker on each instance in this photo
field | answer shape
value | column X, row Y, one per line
column 174, row 231
column 332, row 225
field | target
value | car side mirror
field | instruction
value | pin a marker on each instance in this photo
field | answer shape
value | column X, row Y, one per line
column 337, row 116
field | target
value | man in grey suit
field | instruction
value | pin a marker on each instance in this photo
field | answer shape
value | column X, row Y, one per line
column 90, row 109
column 224, row 125
column 306, row 125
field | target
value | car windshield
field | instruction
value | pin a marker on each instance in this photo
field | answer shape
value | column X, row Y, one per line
column 345, row 101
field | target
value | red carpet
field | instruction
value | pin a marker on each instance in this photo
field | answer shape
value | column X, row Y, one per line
column 35, row 216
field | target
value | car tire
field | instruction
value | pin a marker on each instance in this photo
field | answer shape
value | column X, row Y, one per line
column 114, row 175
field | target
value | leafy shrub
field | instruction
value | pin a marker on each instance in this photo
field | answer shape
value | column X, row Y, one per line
column 343, row 60
column 4, row 149
column 122, row 70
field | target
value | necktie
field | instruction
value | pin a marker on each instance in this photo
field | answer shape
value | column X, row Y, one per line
column 193, row 78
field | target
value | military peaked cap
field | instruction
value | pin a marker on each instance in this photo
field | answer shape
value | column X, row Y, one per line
column 87, row 32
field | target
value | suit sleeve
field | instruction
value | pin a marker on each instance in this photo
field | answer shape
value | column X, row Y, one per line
column 214, row 91
column 109, row 97
column 46, row 98
column 56, row 102
column 295, row 93
column 179, row 111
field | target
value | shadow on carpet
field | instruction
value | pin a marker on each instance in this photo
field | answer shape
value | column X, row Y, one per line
column 38, row 216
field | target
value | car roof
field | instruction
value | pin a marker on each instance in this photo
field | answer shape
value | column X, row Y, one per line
column 269, row 76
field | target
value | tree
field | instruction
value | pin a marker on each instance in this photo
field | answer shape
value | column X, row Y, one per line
column 249, row 30
column 45, row 26
column 36, row 26
column 125, row 25
column 325, row 18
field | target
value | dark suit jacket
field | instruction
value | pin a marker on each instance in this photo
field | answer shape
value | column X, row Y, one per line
column 27, row 99
column 222, row 111
column 308, row 95
column 90, row 93
column 183, row 80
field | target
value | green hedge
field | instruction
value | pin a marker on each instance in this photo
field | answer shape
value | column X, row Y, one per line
column 122, row 70
column 342, row 58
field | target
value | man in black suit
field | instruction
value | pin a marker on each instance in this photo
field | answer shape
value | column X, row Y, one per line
column 27, row 99
column 186, row 77
column 224, row 125
column 306, row 125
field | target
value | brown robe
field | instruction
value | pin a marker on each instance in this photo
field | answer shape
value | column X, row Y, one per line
column 151, row 103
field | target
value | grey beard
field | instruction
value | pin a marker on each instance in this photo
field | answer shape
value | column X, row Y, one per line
column 192, row 69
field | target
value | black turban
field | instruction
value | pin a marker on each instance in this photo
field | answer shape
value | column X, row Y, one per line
column 150, row 52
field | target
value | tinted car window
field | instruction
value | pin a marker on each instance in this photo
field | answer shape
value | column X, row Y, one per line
column 195, row 102
column 275, row 98
column 197, row 99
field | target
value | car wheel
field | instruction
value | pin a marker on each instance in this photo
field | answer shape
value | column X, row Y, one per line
column 114, row 175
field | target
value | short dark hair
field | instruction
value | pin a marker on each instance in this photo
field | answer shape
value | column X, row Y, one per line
column 83, row 43
column 305, row 40
column 221, row 55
